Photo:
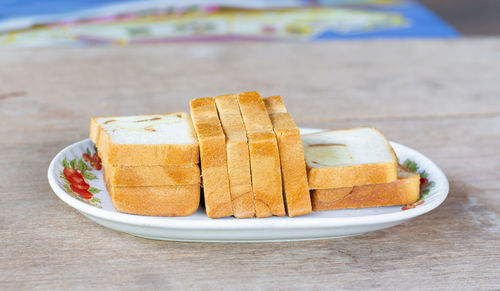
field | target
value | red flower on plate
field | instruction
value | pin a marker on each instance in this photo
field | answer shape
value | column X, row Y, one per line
column 76, row 175
column 93, row 160
column 425, row 184
column 411, row 206
column 77, row 183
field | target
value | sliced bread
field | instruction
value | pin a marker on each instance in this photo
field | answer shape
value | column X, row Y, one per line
column 186, row 174
column 169, row 200
column 405, row 190
column 173, row 200
column 213, row 157
column 238, row 159
column 348, row 157
column 264, row 156
column 293, row 167
column 146, row 140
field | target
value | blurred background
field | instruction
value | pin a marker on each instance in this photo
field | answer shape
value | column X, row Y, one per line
column 33, row 23
column 426, row 73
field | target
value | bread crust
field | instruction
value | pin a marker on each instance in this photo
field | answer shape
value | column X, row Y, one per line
column 405, row 190
column 213, row 157
column 130, row 176
column 94, row 131
column 173, row 200
column 264, row 156
column 142, row 154
column 293, row 166
column 348, row 176
column 275, row 104
column 238, row 159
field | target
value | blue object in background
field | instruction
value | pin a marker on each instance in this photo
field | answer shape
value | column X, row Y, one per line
column 26, row 8
column 421, row 23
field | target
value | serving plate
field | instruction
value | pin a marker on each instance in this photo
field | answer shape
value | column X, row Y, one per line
column 96, row 205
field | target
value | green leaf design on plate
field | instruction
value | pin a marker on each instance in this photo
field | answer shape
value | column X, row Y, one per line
column 73, row 163
column 94, row 190
column 82, row 166
column 68, row 188
column 65, row 163
column 411, row 166
column 88, row 152
column 89, row 176
column 63, row 177
column 424, row 191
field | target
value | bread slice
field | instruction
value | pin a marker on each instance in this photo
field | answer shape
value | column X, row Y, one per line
column 238, row 159
column 172, row 200
column 348, row 157
column 264, row 156
column 146, row 140
column 293, row 167
column 405, row 190
column 127, row 176
column 213, row 158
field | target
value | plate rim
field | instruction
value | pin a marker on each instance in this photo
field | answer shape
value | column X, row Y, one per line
column 247, row 224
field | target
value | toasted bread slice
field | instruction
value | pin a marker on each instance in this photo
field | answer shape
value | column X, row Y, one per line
column 405, row 190
column 129, row 176
column 348, row 157
column 213, row 157
column 169, row 200
column 264, row 156
column 146, row 140
column 293, row 167
column 238, row 159
column 173, row 200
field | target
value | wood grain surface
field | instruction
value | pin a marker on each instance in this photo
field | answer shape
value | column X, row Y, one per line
column 439, row 97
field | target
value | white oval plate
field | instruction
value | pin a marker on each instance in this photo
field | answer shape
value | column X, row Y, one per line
column 198, row 227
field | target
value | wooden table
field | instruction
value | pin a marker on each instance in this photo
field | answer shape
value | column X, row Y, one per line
column 440, row 97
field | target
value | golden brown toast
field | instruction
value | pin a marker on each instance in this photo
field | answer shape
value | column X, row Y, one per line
column 348, row 157
column 238, row 159
column 187, row 174
column 405, row 190
column 293, row 167
column 264, row 156
column 146, row 140
column 213, row 157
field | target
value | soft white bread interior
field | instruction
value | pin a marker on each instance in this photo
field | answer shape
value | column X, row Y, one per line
column 405, row 190
column 348, row 157
column 162, row 139
column 174, row 128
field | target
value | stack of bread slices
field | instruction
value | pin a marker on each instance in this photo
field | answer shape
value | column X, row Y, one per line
column 150, row 163
column 356, row 168
column 254, row 163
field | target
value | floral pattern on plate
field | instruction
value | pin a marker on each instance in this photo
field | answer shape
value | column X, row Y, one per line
column 76, row 175
column 198, row 227
column 425, row 184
